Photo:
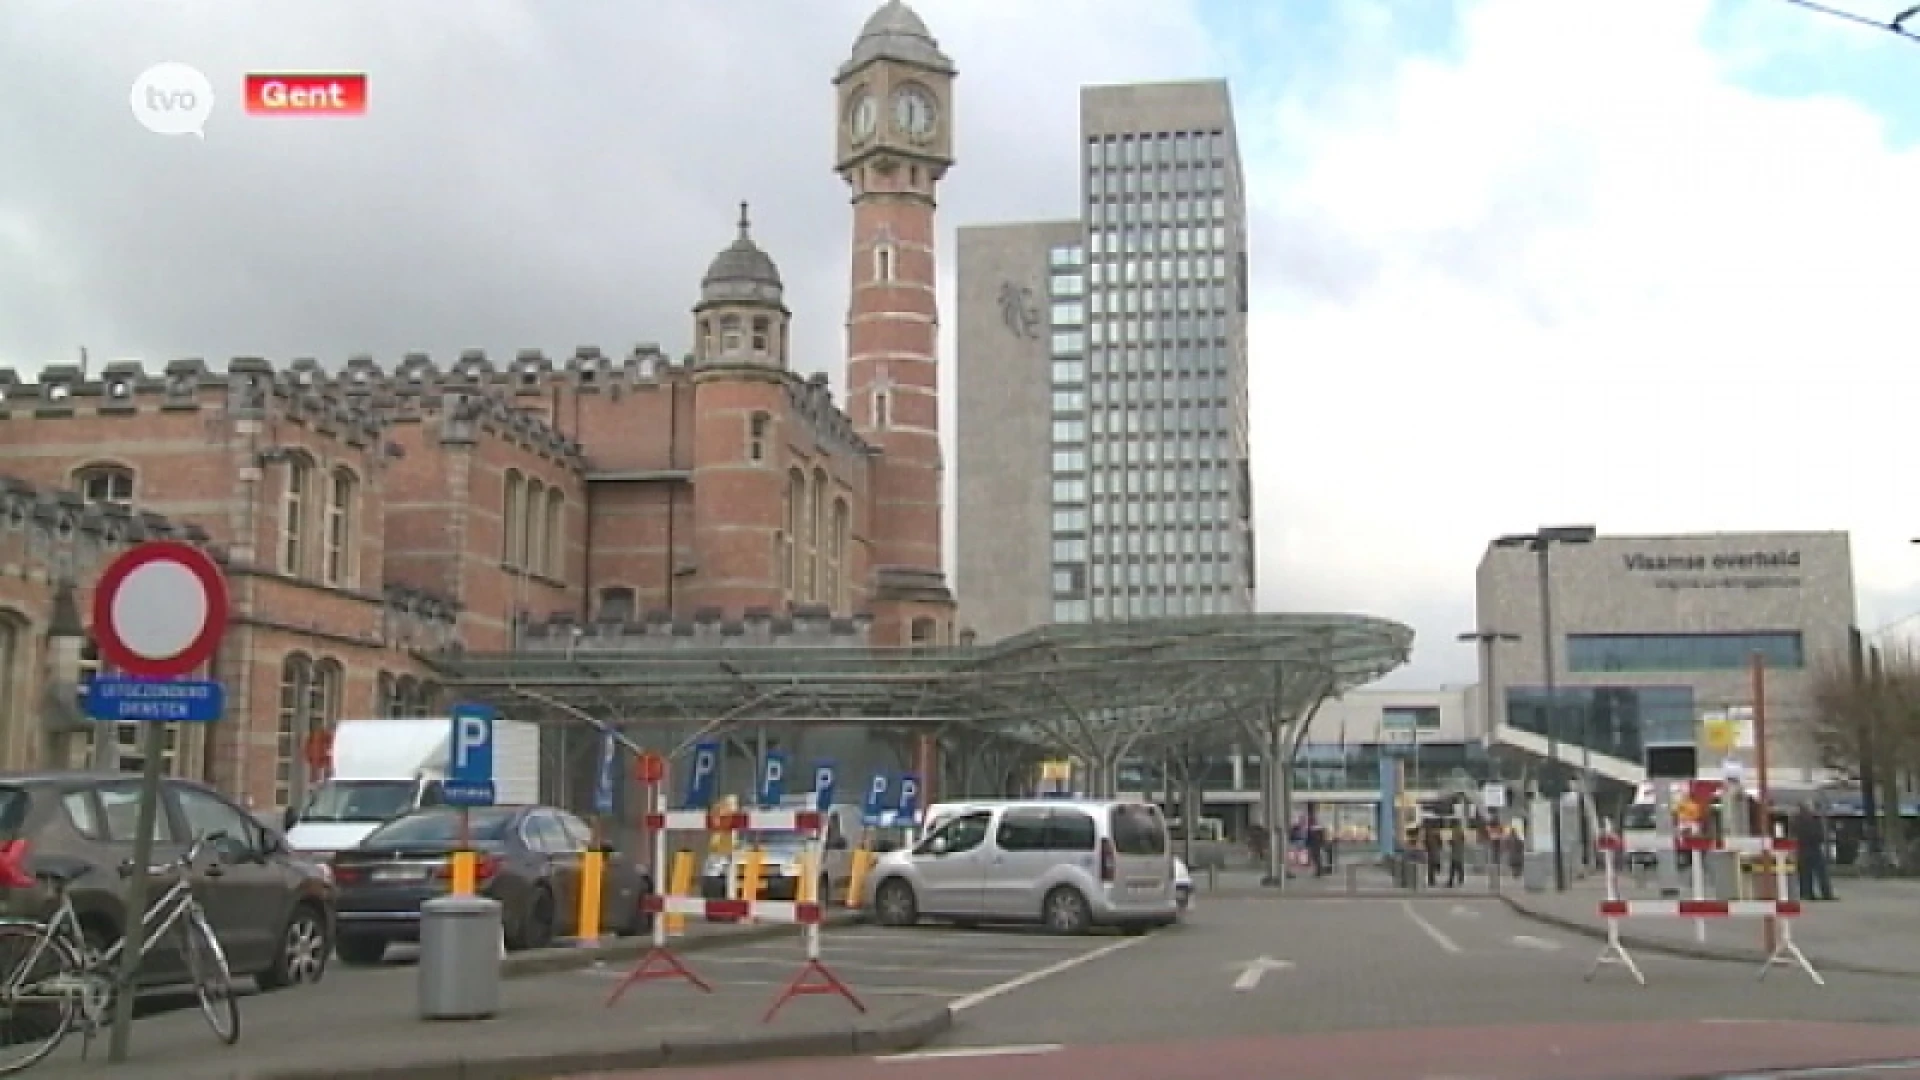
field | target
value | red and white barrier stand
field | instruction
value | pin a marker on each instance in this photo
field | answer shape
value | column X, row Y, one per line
column 1701, row 907
column 814, row 977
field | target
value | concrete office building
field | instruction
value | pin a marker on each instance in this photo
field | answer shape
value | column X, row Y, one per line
column 1102, row 411
column 1650, row 632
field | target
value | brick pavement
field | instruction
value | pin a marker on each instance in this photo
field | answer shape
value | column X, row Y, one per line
column 1874, row 927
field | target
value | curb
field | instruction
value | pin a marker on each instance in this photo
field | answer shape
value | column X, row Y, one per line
column 1694, row 952
column 900, row 1033
column 575, row 958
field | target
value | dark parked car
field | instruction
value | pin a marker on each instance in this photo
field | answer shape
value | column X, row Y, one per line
column 272, row 911
column 530, row 860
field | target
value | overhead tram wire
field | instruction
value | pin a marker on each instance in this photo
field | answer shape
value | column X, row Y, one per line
column 1897, row 26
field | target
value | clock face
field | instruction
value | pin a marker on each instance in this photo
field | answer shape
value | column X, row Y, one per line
column 913, row 112
column 863, row 117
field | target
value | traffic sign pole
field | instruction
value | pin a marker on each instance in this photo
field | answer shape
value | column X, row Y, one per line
column 159, row 612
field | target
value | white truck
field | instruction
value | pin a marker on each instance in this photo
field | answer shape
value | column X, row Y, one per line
column 383, row 768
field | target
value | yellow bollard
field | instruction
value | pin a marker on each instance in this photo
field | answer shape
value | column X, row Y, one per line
column 751, row 878
column 593, row 868
column 463, row 872
column 809, row 882
column 857, row 877
column 679, row 883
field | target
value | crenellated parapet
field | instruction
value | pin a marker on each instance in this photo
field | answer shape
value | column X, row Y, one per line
column 812, row 402
column 466, row 414
column 415, row 619
column 805, row 626
column 54, row 535
column 530, row 372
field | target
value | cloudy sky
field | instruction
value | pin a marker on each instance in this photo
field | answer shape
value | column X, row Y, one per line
column 1650, row 264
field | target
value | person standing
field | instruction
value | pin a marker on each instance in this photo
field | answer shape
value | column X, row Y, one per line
column 1457, row 856
column 1810, row 856
column 1430, row 838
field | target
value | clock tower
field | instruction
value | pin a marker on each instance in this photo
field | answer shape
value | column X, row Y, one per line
column 895, row 143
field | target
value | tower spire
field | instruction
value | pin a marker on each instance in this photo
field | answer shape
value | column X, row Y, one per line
column 745, row 222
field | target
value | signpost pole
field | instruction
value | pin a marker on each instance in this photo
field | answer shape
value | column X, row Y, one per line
column 1769, row 929
column 133, row 938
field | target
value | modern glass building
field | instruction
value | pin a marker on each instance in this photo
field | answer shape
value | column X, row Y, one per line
column 1651, row 633
column 1140, row 363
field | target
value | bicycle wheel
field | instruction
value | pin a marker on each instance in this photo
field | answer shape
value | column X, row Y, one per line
column 39, row 994
column 212, row 981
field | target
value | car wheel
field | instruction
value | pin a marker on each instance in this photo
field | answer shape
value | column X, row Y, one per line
column 895, row 904
column 360, row 950
column 536, row 931
column 1065, row 911
column 303, row 951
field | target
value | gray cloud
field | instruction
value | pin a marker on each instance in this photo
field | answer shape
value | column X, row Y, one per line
column 528, row 174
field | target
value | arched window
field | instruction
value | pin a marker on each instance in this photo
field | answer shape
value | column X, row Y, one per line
column 513, row 519
column 556, row 530
column 730, row 336
column 883, row 263
column 796, row 509
column 104, row 483
column 297, row 679
column 817, row 538
column 761, row 342
column 342, row 491
column 15, row 718
column 706, row 339
column 922, row 632
column 386, row 700
column 880, row 409
column 426, row 697
column 406, row 695
column 296, row 493
column 758, row 426
column 535, row 560
column 842, row 542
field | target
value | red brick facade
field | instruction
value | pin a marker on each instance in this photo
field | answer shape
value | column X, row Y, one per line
column 366, row 514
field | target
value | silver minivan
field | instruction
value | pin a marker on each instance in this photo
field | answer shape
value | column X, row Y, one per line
column 1069, row 864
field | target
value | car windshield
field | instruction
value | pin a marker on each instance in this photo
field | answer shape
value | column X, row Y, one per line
column 1638, row 816
column 438, row 829
column 773, row 843
column 360, row 800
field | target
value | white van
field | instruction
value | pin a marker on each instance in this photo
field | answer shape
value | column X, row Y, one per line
column 1070, row 865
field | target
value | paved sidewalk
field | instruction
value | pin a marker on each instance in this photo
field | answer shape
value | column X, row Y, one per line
column 1874, row 927
column 551, row 1024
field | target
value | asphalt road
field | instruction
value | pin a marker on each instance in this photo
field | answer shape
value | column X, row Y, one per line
column 1311, row 987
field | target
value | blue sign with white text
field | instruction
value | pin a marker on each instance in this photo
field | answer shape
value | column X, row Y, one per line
column 907, row 804
column 470, row 757
column 877, row 790
column 773, row 779
column 603, row 783
column 703, row 776
column 823, row 781
column 130, row 700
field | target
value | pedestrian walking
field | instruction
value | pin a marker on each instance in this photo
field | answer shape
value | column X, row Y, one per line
column 1457, row 856
column 1431, row 841
column 1810, row 858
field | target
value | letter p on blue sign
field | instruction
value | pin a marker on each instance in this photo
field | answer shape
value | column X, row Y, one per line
column 471, row 745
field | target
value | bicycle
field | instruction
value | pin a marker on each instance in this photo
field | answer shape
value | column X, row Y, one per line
column 65, row 984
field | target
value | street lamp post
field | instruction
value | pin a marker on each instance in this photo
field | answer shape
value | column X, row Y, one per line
column 1541, row 543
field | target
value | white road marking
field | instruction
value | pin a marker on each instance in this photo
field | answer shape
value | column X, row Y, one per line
column 1431, row 930
column 1527, row 941
column 854, row 962
column 975, row 1052
column 965, row 942
column 1462, row 912
column 1254, row 970
column 981, row 997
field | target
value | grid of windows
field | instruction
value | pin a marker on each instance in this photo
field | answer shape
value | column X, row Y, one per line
column 1165, row 420
column 1783, row 649
column 1067, row 326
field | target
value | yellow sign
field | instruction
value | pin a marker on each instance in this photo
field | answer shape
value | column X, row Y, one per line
column 1687, row 810
column 1056, row 771
column 1719, row 733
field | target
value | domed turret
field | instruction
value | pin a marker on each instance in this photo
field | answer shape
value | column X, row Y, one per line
column 896, row 32
column 742, row 315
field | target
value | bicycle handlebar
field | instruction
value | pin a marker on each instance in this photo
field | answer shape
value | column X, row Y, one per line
column 184, row 862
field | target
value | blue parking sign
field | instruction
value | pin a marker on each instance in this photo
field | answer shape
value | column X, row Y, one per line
column 703, row 776
column 877, row 789
column 470, row 757
column 823, row 781
column 773, row 779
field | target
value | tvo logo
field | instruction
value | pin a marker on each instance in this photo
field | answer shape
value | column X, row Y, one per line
column 172, row 99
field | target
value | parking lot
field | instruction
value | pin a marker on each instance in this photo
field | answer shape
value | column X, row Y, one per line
column 932, row 963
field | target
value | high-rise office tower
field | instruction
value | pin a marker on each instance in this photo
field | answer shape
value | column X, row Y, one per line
column 1102, row 377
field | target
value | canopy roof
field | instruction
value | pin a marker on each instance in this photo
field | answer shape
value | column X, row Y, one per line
column 1176, row 671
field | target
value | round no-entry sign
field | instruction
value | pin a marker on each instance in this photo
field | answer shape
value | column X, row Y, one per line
column 159, row 610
